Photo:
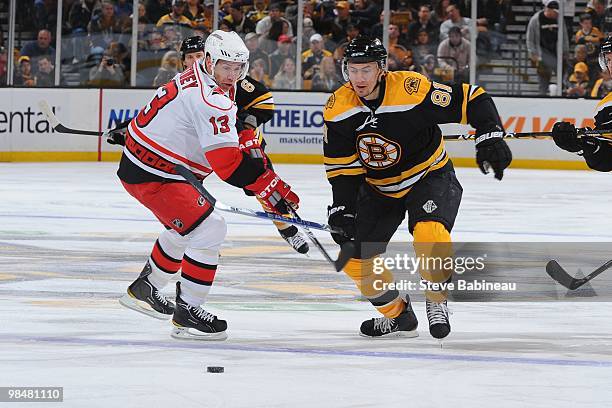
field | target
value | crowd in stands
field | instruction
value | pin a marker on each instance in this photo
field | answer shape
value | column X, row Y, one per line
column 428, row 36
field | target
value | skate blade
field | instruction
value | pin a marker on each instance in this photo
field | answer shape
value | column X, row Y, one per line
column 186, row 333
column 142, row 307
column 395, row 335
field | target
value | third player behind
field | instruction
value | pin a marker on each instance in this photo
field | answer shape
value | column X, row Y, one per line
column 384, row 156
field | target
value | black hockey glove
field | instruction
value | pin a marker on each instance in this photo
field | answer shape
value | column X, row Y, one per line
column 565, row 136
column 492, row 152
column 339, row 217
column 116, row 137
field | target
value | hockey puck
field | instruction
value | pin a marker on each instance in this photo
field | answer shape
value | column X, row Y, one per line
column 215, row 369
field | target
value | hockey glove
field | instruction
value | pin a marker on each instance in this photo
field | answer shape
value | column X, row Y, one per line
column 492, row 152
column 249, row 143
column 565, row 136
column 339, row 217
column 274, row 192
column 116, row 137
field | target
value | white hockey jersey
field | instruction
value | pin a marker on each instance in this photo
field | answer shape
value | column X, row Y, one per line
column 187, row 117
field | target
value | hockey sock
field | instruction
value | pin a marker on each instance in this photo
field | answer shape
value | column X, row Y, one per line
column 432, row 242
column 197, row 275
column 165, row 259
column 374, row 286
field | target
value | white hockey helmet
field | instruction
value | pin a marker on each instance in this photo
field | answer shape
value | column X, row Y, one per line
column 226, row 46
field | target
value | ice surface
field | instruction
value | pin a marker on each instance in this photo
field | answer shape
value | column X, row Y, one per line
column 71, row 240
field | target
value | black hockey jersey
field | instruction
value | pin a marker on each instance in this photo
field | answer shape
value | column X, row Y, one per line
column 601, row 160
column 397, row 143
column 255, row 102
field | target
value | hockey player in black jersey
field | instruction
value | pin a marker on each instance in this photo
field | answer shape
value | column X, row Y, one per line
column 597, row 154
column 255, row 107
column 384, row 156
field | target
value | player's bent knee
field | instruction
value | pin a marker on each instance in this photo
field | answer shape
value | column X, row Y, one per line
column 430, row 231
column 210, row 233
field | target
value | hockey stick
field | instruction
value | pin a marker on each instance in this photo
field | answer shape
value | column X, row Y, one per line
column 59, row 127
column 559, row 274
column 195, row 183
column 604, row 134
column 346, row 251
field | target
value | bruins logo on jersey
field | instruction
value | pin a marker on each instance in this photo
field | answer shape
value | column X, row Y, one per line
column 377, row 152
column 411, row 85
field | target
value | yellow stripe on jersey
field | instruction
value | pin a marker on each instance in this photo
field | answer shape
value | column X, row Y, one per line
column 259, row 99
column 410, row 172
column 267, row 106
column 345, row 172
column 475, row 92
column 340, row 160
column 605, row 102
column 402, row 193
column 466, row 95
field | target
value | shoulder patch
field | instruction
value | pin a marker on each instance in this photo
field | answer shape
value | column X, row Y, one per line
column 411, row 85
column 247, row 86
column 330, row 102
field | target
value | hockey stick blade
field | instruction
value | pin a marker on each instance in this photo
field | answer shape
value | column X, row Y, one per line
column 559, row 274
column 195, row 183
column 57, row 125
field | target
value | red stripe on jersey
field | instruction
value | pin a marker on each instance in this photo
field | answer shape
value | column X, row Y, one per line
column 198, row 272
column 203, row 98
column 168, row 152
column 163, row 261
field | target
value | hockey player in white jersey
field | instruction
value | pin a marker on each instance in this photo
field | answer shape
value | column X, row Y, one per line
column 191, row 121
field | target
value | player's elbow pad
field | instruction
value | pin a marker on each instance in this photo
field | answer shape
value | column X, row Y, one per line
column 234, row 167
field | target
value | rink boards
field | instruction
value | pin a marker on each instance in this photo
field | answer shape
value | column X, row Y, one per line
column 294, row 135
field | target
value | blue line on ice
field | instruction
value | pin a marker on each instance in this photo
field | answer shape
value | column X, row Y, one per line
column 201, row 345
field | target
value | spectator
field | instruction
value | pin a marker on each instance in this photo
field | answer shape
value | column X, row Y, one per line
column 428, row 68
column 105, row 27
column 226, row 26
column 341, row 21
column 581, row 55
column 123, row 8
column 80, row 15
column 579, row 81
column 157, row 8
column 3, row 65
column 423, row 23
column 365, row 14
column 589, row 36
column 176, row 16
column 454, row 53
column 251, row 40
column 258, row 72
column 171, row 37
column 597, row 11
column 45, row 76
column 224, row 10
column 24, row 76
column 149, row 59
column 41, row 46
column 352, row 32
column 263, row 26
column 286, row 77
column 542, row 42
column 326, row 79
column 284, row 50
column 423, row 47
column 194, row 11
column 209, row 9
column 454, row 20
column 397, row 47
column 311, row 58
column 377, row 29
column 259, row 11
column 440, row 15
column 45, row 14
column 169, row 68
column 307, row 32
column 602, row 86
column 242, row 25
column 107, row 73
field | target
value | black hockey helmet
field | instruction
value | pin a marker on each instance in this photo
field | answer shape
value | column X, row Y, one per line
column 191, row 44
column 606, row 48
column 364, row 49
